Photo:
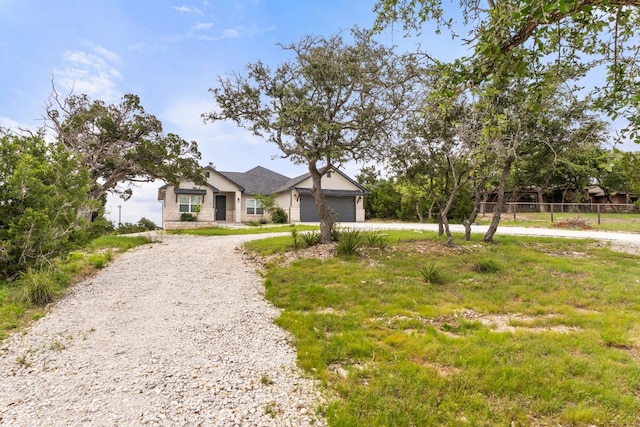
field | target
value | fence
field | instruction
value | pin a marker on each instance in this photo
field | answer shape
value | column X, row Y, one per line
column 514, row 208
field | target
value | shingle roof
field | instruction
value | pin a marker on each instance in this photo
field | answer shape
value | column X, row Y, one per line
column 258, row 180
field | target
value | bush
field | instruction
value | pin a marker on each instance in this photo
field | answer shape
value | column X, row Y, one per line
column 487, row 266
column 311, row 239
column 376, row 239
column 187, row 217
column 349, row 242
column 432, row 274
column 278, row 215
column 40, row 287
column 295, row 239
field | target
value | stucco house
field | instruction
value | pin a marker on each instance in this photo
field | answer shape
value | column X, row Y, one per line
column 230, row 197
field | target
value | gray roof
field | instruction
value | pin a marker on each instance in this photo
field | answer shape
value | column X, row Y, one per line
column 292, row 183
column 258, row 180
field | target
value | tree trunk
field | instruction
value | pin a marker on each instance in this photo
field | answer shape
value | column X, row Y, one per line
column 420, row 218
column 327, row 216
column 541, row 203
column 497, row 210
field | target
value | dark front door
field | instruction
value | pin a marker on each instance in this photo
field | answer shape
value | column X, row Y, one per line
column 221, row 208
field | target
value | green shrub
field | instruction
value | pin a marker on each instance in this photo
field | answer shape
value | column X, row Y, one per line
column 296, row 242
column 311, row 239
column 279, row 216
column 376, row 239
column 39, row 287
column 487, row 266
column 187, row 217
column 349, row 242
column 100, row 260
column 432, row 274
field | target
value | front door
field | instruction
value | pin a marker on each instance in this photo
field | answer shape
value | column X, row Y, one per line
column 221, row 208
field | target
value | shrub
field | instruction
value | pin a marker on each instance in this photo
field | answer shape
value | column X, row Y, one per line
column 279, row 216
column 349, row 242
column 295, row 238
column 376, row 239
column 432, row 274
column 40, row 287
column 187, row 217
column 311, row 239
column 487, row 266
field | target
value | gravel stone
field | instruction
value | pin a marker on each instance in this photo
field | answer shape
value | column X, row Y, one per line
column 176, row 333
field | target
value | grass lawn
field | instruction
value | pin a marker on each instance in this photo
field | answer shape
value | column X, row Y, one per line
column 608, row 221
column 227, row 231
column 528, row 331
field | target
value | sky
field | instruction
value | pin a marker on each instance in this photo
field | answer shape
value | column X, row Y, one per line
column 169, row 53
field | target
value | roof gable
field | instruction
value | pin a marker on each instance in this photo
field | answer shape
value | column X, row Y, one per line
column 258, row 180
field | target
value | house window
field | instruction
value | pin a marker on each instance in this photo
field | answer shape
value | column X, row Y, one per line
column 254, row 207
column 189, row 204
column 329, row 174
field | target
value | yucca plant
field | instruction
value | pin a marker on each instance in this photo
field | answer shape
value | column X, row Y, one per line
column 432, row 274
column 350, row 241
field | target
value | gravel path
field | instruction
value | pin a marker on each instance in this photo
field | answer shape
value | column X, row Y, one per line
column 176, row 333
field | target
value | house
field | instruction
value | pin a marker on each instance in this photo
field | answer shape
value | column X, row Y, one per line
column 597, row 195
column 230, row 197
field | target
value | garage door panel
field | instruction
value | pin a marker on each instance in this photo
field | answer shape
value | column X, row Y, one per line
column 343, row 206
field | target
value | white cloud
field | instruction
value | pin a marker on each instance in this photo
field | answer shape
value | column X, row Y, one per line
column 201, row 26
column 91, row 73
column 232, row 33
column 189, row 10
column 7, row 123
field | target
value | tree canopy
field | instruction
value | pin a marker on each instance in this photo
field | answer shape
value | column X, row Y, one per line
column 333, row 102
column 120, row 143
column 542, row 40
column 44, row 205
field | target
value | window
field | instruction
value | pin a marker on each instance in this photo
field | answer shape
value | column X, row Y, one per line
column 189, row 204
column 254, row 207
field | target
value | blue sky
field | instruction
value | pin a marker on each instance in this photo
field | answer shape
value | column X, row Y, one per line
column 169, row 53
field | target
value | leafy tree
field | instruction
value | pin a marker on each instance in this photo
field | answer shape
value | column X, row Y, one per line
column 332, row 103
column 547, row 39
column 120, row 143
column 44, row 208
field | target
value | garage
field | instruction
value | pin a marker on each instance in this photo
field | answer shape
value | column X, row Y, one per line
column 343, row 204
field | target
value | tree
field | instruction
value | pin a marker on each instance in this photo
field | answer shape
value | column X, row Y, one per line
column 120, row 143
column 43, row 202
column 562, row 39
column 334, row 102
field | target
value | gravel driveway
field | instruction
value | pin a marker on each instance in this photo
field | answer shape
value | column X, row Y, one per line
column 175, row 333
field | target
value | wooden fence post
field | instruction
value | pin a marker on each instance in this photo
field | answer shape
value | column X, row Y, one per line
column 551, row 210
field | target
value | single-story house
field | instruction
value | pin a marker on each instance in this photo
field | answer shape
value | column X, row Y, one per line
column 230, row 197
column 597, row 195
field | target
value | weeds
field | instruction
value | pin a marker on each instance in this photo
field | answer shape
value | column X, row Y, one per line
column 487, row 266
column 376, row 239
column 40, row 287
column 432, row 274
column 265, row 380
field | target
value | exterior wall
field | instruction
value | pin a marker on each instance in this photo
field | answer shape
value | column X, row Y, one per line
column 336, row 182
column 171, row 208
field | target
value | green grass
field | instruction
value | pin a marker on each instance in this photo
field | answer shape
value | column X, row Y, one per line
column 421, row 354
column 23, row 299
column 608, row 221
column 225, row 231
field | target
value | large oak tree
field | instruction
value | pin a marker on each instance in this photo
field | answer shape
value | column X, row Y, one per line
column 333, row 102
column 120, row 143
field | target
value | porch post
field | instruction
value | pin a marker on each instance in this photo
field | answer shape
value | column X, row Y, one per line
column 237, row 213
